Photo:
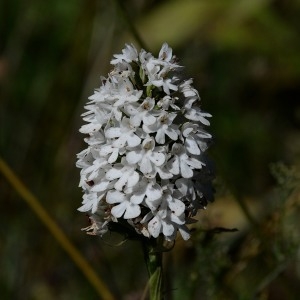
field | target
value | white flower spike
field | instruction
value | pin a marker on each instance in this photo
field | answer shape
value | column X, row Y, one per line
column 145, row 164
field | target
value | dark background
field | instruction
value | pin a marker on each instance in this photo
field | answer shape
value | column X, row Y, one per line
column 244, row 57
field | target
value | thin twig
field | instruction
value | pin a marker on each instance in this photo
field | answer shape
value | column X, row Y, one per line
column 55, row 230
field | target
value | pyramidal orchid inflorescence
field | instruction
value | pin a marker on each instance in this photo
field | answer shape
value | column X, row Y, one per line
column 144, row 166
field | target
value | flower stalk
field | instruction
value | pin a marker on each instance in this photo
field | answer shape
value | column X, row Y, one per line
column 145, row 173
column 153, row 258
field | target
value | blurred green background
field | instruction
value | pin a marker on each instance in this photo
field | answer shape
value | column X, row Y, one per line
column 244, row 57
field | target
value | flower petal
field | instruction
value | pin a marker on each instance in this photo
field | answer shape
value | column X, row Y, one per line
column 154, row 227
column 115, row 197
column 133, row 179
column 157, row 158
column 105, row 150
column 132, row 211
column 134, row 157
column 177, row 219
column 173, row 165
column 168, row 229
column 160, row 136
column 133, row 140
column 121, row 141
column 153, row 192
column 192, row 146
column 185, row 170
column 88, row 128
column 153, row 204
column 177, row 207
column 172, row 133
column 121, row 182
column 113, row 156
column 165, row 52
column 118, row 210
column 113, row 132
column 149, row 119
column 101, row 186
column 195, row 163
column 136, row 120
column 184, row 231
column 137, row 199
column 113, row 174
column 145, row 165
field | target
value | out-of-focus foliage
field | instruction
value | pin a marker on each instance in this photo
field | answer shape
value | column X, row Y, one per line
column 244, row 58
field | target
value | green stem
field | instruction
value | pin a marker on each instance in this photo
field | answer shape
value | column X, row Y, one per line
column 153, row 257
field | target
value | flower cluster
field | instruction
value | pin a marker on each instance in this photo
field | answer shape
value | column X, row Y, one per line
column 145, row 161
